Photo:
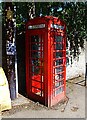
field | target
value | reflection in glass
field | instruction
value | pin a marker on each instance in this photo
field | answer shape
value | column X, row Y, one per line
column 36, row 65
column 57, row 84
column 59, row 54
column 58, row 62
column 35, row 53
column 59, row 47
column 59, row 90
column 36, row 70
column 58, row 38
column 35, row 38
column 59, row 69
column 36, row 46
column 58, row 77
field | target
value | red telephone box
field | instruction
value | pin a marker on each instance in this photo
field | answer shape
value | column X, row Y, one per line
column 46, row 60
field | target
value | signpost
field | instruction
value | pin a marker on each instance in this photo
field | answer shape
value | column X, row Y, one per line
column 10, row 49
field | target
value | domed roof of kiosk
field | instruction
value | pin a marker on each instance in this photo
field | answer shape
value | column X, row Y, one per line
column 46, row 18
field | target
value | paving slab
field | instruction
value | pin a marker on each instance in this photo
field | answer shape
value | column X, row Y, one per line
column 74, row 108
column 20, row 100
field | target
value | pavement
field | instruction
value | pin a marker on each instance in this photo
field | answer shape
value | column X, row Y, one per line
column 73, row 108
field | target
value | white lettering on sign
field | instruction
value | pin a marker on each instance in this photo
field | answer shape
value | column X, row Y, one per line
column 36, row 26
column 56, row 26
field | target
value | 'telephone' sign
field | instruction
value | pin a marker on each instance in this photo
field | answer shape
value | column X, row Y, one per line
column 36, row 26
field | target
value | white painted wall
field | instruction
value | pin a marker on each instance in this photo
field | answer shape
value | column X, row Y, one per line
column 0, row 40
column 78, row 67
column 86, row 51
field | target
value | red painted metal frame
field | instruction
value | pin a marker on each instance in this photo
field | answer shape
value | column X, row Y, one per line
column 48, row 35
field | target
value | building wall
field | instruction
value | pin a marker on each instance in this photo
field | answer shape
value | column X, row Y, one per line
column 77, row 68
column 85, row 51
column 0, row 37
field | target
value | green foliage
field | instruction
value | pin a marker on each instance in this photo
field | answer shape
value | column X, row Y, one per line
column 74, row 14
